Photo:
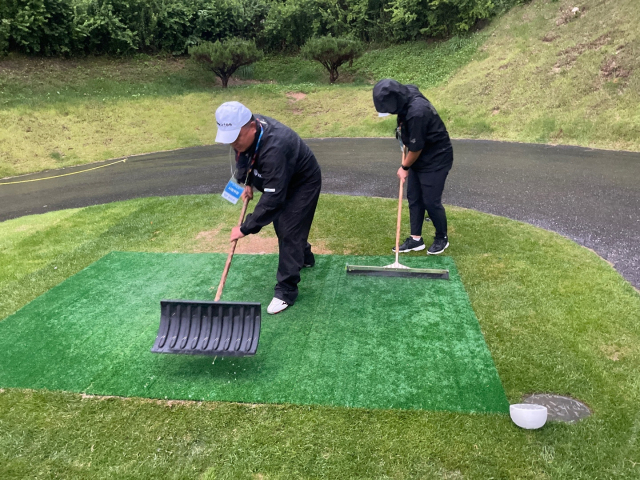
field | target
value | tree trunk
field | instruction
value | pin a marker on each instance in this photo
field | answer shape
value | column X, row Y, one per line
column 225, row 80
column 333, row 75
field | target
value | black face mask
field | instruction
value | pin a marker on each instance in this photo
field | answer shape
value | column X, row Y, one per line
column 390, row 96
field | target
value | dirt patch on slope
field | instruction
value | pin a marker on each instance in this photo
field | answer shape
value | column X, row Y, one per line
column 568, row 56
column 580, row 48
column 614, row 352
column 613, row 67
column 217, row 241
column 207, row 238
column 295, row 96
column 320, row 248
column 569, row 14
column 257, row 244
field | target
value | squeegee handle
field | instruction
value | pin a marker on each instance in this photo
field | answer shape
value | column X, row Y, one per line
column 227, row 265
column 399, row 215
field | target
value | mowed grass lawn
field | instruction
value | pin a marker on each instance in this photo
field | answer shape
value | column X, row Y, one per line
column 555, row 316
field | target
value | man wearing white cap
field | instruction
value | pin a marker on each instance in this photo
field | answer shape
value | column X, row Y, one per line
column 273, row 159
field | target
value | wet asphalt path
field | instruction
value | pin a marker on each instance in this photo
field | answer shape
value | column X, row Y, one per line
column 590, row 196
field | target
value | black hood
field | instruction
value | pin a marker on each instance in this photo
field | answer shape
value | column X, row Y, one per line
column 390, row 96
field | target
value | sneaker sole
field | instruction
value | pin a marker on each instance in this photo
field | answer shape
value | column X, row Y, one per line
column 439, row 252
column 279, row 311
column 417, row 249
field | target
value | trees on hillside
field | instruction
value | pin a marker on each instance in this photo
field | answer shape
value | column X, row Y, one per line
column 117, row 27
column 224, row 58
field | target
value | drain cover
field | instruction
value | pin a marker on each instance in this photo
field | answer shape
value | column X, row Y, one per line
column 559, row 408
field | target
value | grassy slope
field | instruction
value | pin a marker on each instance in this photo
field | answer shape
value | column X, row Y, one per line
column 546, row 75
column 572, row 331
column 531, row 80
column 58, row 113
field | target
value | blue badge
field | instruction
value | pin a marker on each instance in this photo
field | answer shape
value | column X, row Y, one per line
column 232, row 191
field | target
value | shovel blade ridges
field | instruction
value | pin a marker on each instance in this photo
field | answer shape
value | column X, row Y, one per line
column 208, row 328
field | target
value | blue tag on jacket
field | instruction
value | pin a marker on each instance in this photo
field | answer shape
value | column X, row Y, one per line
column 232, row 191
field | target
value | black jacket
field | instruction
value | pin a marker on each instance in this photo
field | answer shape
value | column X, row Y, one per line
column 283, row 163
column 420, row 125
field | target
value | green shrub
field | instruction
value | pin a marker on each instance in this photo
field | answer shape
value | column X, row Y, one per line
column 5, row 30
column 120, row 26
column 332, row 52
column 224, row 58
column 63, row 27
column 224, row 19
column 107, row 26
column 437, row 18
column 167, row 27
column 44, row 27
column 291, row 23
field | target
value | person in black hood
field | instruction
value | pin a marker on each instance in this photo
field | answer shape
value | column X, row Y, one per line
column 273, row 159
column 427, row 160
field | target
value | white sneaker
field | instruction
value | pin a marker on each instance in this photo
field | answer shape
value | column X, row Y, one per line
column 276, row 306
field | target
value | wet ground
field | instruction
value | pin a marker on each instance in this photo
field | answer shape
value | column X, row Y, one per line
column 590, row 196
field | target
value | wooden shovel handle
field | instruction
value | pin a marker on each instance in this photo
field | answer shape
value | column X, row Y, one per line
column 399, row 214
column 233, row 249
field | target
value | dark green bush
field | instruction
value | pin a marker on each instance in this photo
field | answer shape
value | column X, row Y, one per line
column 436, row 18
column 108, row 26
column 225, row 57
column 221, row 19
column 63, row 27
column 5, row 27
column 43, row 27
column 332, row 52
column 291, row 23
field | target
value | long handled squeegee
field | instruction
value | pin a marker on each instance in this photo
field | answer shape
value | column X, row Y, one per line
column 396, row 269
column 195, row 327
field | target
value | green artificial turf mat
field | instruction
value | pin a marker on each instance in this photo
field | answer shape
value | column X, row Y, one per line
column 356, row 341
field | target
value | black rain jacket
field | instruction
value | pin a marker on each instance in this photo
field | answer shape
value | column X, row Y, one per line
column 420, row 125
column 283, row 163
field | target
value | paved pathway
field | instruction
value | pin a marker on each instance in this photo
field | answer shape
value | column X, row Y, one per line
column 590, row 196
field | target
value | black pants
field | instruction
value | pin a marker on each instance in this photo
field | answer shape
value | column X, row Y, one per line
column 292, row 228
column 424, row 192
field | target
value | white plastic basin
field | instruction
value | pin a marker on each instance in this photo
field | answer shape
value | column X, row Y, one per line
column 528, row 415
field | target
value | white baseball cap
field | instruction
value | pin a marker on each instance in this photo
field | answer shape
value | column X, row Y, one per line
column 231, row 117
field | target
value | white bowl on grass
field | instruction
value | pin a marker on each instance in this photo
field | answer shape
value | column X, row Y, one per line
column 528, row 415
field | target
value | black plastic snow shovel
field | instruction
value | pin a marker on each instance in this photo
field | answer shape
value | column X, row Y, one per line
column 196, row 327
